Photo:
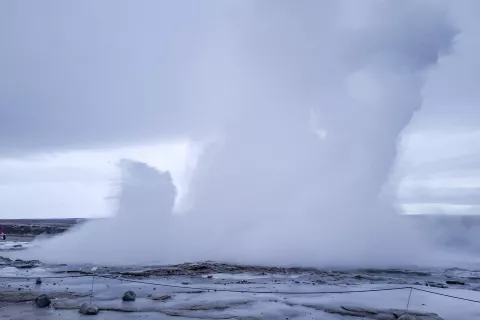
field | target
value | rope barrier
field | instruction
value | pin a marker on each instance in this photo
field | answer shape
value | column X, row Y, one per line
column 249, row 291
column 203, row 289
column 447, row 295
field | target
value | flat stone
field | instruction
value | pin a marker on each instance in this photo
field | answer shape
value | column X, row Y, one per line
column 162, row 298
column 377, row 314
column 360, row 309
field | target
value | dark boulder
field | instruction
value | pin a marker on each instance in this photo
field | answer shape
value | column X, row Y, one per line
column 129, row 296
column 43, row 301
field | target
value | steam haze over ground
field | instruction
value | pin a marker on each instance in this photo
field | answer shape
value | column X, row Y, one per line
column 295, row 110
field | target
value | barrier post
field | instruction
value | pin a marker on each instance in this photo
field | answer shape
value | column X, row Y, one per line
column 409, row 296
column 93, row 282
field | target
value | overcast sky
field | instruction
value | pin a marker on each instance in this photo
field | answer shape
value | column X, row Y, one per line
column 85, row 83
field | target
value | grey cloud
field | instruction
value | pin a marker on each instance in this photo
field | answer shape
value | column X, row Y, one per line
column 458, row 166
column 30, row 174
column 448, row 181
column 85, row 73
column 453, row 196
column 95, row 73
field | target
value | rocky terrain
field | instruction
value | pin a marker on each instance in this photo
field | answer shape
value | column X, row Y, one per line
column 35, row 227
column 211, row 290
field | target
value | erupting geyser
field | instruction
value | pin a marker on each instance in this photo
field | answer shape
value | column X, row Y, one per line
column 271, row 189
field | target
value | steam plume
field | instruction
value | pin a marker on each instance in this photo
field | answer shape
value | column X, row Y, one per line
column 272, row 189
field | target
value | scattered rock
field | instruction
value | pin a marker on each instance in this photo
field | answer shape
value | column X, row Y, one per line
column 455, row 282
column 17, row 246
column 43, row 301
column 38, row 281
column 129, row 296
column 243, row 282
column 88, row 310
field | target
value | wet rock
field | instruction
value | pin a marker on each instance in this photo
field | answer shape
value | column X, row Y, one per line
column 43, row 301
column 26, row 296
column 361, row 310
column 455, row 282
column 129, row 296
column 21, row 264
column 89, row 310
column 436, row 285
column 162, row 298
column 373, row 313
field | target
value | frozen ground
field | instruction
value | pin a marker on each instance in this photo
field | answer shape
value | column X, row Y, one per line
column 190, row 302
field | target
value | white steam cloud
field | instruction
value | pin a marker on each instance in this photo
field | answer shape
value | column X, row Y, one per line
column 272, row 189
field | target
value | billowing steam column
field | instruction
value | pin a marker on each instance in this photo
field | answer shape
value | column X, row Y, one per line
column 142, row 218
column 146, row 194
column 270, row 189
